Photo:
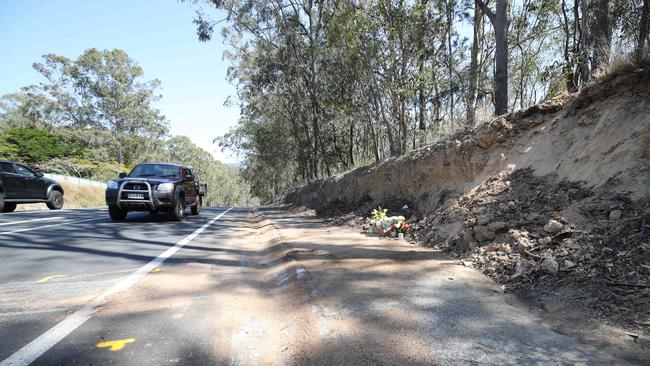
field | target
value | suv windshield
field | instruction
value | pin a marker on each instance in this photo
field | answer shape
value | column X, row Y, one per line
column 155, row 170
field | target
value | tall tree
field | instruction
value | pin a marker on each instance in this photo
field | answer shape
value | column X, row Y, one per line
column 643, row 29
column 499, row 20
column 475, row 59
column 601, row 34
column 100, row 89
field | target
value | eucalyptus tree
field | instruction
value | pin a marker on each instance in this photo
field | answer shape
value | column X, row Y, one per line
column 100, row 90
column 328, row 85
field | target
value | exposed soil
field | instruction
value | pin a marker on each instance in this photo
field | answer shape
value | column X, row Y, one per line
column 595, row 252
column 552, row 202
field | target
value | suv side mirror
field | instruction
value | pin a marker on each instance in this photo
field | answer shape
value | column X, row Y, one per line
column 39, row 174
column 122, row 175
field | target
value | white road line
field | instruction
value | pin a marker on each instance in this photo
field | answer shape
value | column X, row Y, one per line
column 25, row 221
column 52, row 225
column 47, row 340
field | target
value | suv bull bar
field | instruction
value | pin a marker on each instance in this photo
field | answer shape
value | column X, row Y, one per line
column 148, row 202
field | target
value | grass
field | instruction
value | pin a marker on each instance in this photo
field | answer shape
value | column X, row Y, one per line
column 76, row 196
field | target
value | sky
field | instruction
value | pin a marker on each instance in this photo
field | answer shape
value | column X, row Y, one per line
column 159, row 35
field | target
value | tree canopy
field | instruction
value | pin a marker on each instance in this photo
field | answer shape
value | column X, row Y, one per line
column 328, row 85
column 95, row 116
column 101, row 90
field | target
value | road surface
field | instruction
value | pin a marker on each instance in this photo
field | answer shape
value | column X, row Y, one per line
column 236, row 287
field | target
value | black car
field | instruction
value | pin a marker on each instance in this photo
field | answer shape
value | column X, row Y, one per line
column 155, row 187
column 20, row 184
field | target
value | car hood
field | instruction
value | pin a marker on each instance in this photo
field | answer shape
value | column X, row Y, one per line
column 49, row 181
column 154, row 181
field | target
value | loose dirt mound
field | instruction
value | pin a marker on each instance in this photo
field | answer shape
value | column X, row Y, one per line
column 553, row 199
column 545, row 236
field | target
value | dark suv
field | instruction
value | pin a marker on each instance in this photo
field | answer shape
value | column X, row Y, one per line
column 155, row 187
column 20, row 184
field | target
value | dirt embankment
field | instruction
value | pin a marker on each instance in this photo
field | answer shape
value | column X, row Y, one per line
column 552, row 201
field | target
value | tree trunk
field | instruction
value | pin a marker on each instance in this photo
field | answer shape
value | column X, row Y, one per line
column 643, row 29
column 584, row 42
column 499, row 21
column 422, row 124
column 601, row 35
column 450, row 60
column 473, row 66
column 568, row 64
column 501, row 56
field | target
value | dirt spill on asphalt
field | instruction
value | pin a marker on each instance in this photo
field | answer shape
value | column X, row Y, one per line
column 285, row 289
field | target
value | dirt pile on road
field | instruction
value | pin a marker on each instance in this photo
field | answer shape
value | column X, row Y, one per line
column 551, row 199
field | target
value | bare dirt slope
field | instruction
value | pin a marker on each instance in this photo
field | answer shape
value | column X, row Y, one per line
column 552, row 201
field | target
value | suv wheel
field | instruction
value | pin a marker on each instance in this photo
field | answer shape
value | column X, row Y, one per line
column 196, row 209
column 116, row 213
column 9, row 207
column 55, row 201
column 178, row 209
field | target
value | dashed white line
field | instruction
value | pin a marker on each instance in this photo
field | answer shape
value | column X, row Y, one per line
column 47, row 340
column 32, row 220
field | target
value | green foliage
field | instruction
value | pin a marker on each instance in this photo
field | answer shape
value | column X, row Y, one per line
column 94, row 118
column 30, row 145
column 327, row 86
column 225, row 187
column 100, row 91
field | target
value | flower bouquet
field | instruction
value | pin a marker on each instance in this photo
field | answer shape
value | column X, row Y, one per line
column 401, row 229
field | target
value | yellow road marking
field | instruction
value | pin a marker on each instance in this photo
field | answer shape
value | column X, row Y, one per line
column 45, row 279
column 115, row 345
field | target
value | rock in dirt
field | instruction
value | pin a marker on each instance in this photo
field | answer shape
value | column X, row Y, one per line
column 523, row 267
column 482, row 233
column 521, row 239
column 494, row 247
column 553, row 227
column 545, row 240
column 550, row 265
column 615, row 214
column 496, row 226
column 532, row 216
column 569, row 264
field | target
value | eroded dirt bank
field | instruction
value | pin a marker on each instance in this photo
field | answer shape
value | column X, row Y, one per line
column 552, row 201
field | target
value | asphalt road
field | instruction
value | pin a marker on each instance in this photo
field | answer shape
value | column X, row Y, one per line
column 233, row 287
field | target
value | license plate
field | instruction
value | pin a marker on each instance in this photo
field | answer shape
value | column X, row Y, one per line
column 136, row 196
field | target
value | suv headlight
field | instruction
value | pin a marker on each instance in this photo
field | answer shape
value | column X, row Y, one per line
column 166, row 187
column 111, row 184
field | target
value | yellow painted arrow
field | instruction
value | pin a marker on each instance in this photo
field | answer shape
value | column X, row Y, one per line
column 45, row 279
column 115, row 345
